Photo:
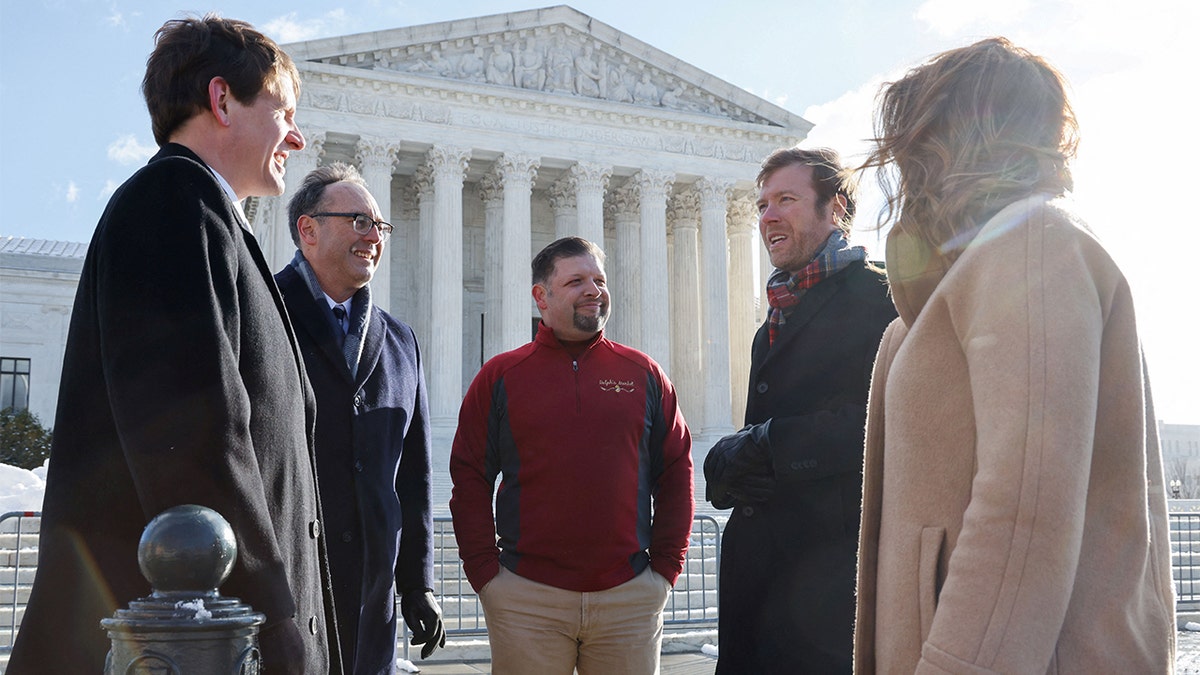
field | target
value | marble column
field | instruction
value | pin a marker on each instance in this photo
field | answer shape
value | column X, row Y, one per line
column 624, row 267
column 405, row 245
column 741, row 297
column 652, row 187
column 491, row 193
column 423, row 184
column 590, row 180
column 683, row 213
column 448, row 166
column 278, row 247
column 517, row 172
column 561, row 196
column 714, row 303
column 376, row 157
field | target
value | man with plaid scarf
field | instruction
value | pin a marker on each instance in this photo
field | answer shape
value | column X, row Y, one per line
column 793, row 474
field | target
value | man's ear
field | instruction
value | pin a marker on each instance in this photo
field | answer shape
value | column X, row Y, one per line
column 218, row 99
column 839, row 208
column 539, row 296
column 307, row 226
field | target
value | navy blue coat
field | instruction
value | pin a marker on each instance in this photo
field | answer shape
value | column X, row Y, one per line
column 788, row 564
column 181, row 384
column 373, row 464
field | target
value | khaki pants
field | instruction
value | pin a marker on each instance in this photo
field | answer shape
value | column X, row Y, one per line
column 535, row 629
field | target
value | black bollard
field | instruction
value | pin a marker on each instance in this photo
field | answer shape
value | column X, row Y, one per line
column 185, row 626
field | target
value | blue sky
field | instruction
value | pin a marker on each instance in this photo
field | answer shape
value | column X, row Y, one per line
column 73, row 125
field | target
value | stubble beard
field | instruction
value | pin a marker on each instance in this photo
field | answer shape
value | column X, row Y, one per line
column 592, row 324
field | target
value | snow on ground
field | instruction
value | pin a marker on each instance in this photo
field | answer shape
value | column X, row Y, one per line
column 21, row 489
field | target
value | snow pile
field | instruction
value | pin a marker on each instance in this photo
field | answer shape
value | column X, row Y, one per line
column 22, row 489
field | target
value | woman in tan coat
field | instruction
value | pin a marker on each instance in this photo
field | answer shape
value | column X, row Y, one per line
column 1014, row 516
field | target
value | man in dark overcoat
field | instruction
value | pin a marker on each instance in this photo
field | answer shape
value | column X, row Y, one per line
column 373, row 443
column 793, row 475
column 182, row 381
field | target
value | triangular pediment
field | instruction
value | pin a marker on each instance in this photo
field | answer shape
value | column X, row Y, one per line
column 556, row 51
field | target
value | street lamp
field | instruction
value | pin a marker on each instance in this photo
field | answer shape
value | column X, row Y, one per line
column 1176, row 484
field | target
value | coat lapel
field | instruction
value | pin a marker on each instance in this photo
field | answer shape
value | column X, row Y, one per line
column 307, row 314
column 372, row 347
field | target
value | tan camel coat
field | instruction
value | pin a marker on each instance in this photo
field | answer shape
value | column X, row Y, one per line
column 1014, row 516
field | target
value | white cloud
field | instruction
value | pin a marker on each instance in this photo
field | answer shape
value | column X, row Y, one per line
column 128, row 150
column 110, row 186
column 72, row 194
column 949, row 17
column 289, row 28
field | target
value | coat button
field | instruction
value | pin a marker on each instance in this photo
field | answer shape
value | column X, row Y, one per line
column 347, row 537
column 747, row 511
column 762, row 387
column 357, row 401
column 312, row 625
column 314, row 529
column 358, row 465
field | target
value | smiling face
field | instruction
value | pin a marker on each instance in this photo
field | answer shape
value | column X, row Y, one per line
column 574, row 300
column 264, row 132
column 343, row 259
column 792, row 223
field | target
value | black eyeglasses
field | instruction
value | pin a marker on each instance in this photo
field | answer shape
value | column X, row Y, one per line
column 362, row 223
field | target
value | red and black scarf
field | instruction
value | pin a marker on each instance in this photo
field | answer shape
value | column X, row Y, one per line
column 785, row 290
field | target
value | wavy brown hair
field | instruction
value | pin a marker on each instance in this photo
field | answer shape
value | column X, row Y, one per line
column 968, row 132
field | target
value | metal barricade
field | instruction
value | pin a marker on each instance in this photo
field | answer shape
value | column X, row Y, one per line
column 1185, row 560
column 692, row 602
column 18, row 564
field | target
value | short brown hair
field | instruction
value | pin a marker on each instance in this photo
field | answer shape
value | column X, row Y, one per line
column 190, row 52
column 567, row 247
column 830, row 178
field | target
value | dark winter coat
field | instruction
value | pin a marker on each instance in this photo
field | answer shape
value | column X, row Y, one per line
column 788, row 564
column 373, row 460
column 182, row 384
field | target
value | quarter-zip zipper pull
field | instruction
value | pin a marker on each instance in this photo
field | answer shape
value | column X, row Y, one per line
column 575, row 365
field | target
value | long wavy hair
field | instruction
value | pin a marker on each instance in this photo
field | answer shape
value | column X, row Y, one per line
column 968, row 132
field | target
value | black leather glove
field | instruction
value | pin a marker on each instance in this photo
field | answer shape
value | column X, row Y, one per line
column 738, row 468
column 424, row 618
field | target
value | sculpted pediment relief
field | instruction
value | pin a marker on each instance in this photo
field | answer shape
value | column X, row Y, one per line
column 556, row 51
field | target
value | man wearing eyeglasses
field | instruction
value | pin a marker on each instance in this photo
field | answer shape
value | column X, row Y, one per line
column 372, row 432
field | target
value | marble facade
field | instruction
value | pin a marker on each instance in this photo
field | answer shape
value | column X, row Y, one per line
column 485, row 139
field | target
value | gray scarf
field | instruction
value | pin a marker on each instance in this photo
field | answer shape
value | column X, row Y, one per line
column 360, row 312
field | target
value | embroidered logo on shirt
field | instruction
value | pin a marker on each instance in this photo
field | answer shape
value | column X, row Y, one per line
column 618, row 386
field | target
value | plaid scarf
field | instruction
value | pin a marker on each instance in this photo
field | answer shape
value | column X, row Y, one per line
column 785, row 290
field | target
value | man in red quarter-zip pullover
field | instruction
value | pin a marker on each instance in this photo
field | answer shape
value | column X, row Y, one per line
column 594, row 511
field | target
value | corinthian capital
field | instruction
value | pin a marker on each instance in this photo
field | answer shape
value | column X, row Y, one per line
column 714, row 192
column 448, row 161
column 684, row 208
column 561, row 194
column 517, row 169
column 740, row 216
column 652, row 186
column 376, row 154
column 589, row 175
column 623, row 201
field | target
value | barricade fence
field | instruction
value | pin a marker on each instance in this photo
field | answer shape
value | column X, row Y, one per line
column 693, row 602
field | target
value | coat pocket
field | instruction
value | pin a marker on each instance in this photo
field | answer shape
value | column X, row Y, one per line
column 928, row 584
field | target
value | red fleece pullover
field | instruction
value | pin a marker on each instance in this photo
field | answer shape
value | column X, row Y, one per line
column 596, row 464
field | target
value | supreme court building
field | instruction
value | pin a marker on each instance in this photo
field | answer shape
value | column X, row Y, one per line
column 485, row 139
